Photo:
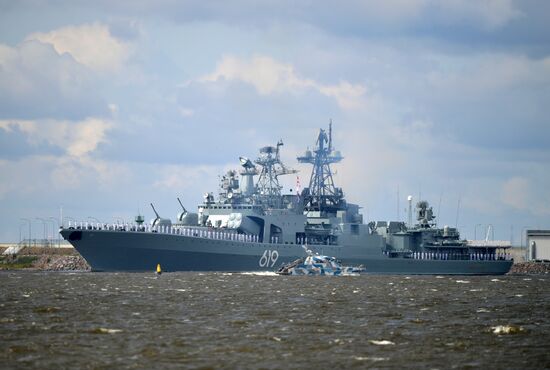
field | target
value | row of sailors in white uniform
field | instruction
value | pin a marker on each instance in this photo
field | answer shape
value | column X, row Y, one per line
column 453, row 256
column 164, row 229
column 473, row 256
column 202, row 233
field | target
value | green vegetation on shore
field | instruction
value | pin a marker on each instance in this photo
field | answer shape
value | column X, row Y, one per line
column 16, row 263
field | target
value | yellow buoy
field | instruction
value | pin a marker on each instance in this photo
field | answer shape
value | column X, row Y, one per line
column 159, row 270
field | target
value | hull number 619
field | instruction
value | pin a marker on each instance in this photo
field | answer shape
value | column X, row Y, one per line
column 269, row 258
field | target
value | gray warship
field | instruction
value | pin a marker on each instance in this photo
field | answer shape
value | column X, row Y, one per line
column 252, row 226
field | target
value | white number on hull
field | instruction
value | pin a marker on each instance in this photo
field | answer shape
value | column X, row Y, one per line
column 269, row 258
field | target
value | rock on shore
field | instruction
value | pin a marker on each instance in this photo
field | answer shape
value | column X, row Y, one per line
column 530, row 268
column 61, row 263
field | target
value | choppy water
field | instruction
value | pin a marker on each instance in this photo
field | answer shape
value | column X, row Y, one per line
column 216, row 320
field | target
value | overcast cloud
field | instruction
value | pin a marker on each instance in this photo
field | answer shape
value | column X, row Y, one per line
column 107, row 106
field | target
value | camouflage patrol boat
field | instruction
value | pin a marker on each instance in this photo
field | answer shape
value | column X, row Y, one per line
column 251, row 225
column 317, row 265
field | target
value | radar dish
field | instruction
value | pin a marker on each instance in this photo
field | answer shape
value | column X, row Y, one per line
column 246, row 163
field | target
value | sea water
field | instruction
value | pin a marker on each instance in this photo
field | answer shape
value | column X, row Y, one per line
column 240, row 320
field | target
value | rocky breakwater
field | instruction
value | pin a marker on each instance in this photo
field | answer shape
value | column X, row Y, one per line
column 61, row 263
column 530, row 268
column 46, row 259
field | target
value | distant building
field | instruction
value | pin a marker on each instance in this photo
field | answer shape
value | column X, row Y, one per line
column 538, row 244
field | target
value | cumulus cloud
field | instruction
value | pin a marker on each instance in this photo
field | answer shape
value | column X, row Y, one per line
column 77, row 139
column 181, row 178
column 90, row 44
column 37, row 82
column 269, row 76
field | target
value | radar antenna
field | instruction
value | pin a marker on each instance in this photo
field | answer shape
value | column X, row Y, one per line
column 268, row 189
column 323, row 196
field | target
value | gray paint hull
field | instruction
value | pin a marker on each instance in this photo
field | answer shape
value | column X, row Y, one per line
column 137, row 251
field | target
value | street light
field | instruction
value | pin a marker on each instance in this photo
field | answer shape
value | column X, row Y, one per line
column 30, row 229
column 53, row 219
column 20, row 225
column 524, row 230
column 475, row 230
column 69, row 218
column 43, row 224
column 49, row 236
column 490, row 227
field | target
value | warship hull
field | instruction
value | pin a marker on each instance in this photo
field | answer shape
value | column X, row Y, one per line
column 107, row 250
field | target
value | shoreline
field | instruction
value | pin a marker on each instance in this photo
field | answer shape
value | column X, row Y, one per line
column 68, row 259
column 44, row 259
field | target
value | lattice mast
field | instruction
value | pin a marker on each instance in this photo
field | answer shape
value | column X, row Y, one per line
column 323, row 196
column 268, row 190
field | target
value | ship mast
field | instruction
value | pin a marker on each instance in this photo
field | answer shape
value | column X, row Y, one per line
column 323, row 196
column 268, row 190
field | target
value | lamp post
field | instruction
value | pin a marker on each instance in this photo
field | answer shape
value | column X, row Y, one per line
column 490, row 227
column 53, row 219
column 475, row 230
column 49, row 236
column 30, row 228
column 20, row 225
column 524, row 232
column 95, row 219
column 44, row 225
column 68, row 218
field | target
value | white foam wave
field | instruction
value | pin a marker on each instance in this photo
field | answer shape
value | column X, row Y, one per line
column 383, row 342
column 259, row 273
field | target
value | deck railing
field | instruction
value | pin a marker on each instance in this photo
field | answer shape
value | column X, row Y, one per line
column 198, row 232
column 477, row 256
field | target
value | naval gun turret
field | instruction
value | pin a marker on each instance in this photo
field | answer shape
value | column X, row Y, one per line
column 187, row 218
column 158, row 221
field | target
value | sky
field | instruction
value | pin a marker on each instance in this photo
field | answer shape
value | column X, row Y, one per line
column 108, row 106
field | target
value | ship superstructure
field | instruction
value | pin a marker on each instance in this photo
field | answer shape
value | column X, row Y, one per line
column 252, row 225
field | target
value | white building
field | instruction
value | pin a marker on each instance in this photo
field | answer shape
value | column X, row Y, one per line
column 538, row 244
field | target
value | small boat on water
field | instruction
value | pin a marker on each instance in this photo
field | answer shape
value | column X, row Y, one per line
column 319, row 265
